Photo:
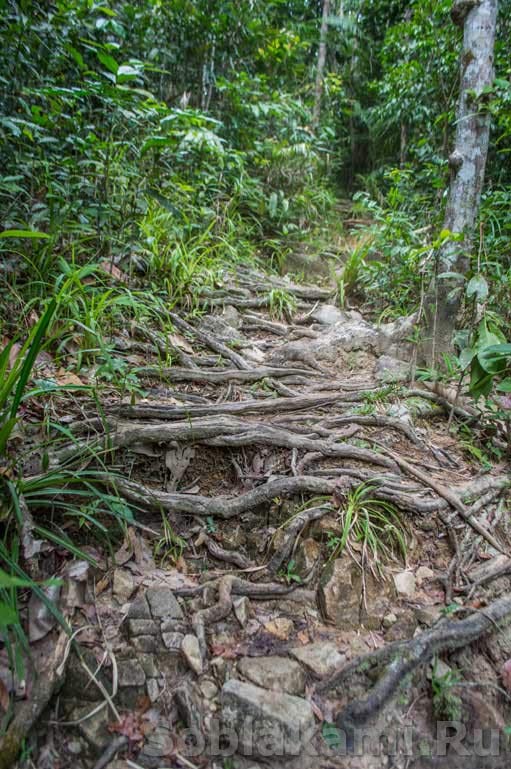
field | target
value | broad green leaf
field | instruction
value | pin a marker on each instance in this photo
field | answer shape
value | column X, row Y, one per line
column 8, row 615
column 108, row 61
column 493, row 358
column 505, row 385
column 126, row 72
column 480, row 380
column 478, row 287
column 156, row 142
column 466, row 357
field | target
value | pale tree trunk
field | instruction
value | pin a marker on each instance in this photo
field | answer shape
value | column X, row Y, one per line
column 467, row 163
column 318, row 90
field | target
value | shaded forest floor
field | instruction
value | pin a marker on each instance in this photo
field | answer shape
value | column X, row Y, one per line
column 316, row 553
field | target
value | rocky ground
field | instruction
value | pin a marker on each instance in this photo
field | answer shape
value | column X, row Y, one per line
column 246, row 632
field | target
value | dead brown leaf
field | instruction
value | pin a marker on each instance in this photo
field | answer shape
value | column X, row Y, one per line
column 4, row 697
column 506, row 674
column 114, row 271
column 64, row 377
column 281, row 628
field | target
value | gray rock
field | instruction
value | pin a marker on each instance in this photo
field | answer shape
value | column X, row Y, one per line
column 402, row 412
column 131, row 673
column 339, row 593
column 423, row 574
column 428, row 615
column 389, row 620
column 279, row 674
column 163, row 603
column 153, row 690
column 282, row 725
column 188, row 699
column 123, row 585
column 147, row 644
column 307, row 556
column 393, row 336
column 231, row 316
column 139, row 609
column 389, row 369
column 142, row 627
column 405, row 584
column 254, row 354
column 320, row 657
column 209, row 688
column 173, row 641
column 173, row 626
column 343, row 337
column 328, row 314
column 191, row 652
column 77, row 680
column 220, row 328
column 241, row 607
column 95, row 728
column 149, row 666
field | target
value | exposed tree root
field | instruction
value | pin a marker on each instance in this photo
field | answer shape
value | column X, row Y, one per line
column 450, row 497
column 164, row 347
column 252, row 321
column 223, row 506
column 401, row 658
column 220, row 610
column 29, row 711
column 375, row 420
column 293, row 529
column 219, row 376
column 218, row 431
column 221, row 554
column 257, row 590
column 209, row 341
column 267, row 406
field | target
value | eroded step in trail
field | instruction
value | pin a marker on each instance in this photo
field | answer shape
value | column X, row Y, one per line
column 310, row 538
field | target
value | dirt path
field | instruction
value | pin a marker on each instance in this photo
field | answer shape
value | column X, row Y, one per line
column 316, row 509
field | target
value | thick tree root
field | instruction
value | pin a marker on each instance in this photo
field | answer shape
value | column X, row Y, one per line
column 218, row 431
column 450, row 497
column 263, row 591
column 219, row 376
column 293, row 529
column 221, row 554
column 209, row 341
column 28, row 713
column 403, row 657
column 267, row 406
column 223, row 506
column 219, row 611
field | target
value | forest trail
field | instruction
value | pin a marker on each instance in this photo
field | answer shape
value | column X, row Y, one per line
column 318, row 510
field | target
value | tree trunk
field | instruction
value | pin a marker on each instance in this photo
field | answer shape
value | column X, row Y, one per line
column 467, row 164
column 318, row 90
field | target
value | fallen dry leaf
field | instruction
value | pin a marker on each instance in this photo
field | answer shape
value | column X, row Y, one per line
column 4, row 697
column 129, row 726
column 114, row 271
column 281, row 628
column 64, row 377
column 40, row 619
column 506, row 674
column 220, row 650
column 179, row 341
